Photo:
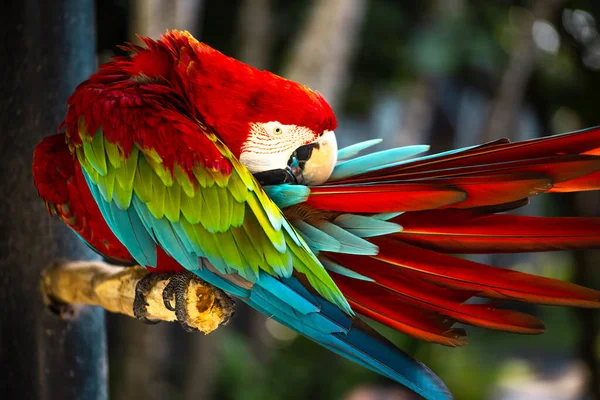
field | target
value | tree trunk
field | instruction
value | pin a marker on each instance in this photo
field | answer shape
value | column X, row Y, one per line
column 325, row 47
column 48, row 48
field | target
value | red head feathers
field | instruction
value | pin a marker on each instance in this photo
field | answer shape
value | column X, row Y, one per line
column 226, row 94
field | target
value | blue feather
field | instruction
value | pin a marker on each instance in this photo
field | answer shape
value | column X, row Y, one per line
column 377, row 353
column 127, row 227
column 387, row 216
column 349, row 243
column 333, row 312
column 354, row 149
column 375, row 160
column 337, row 268
column 287, row 195
column 366, row 348
column 427, row 157
column 362, row 226
column 285, row 293
column 316, row 239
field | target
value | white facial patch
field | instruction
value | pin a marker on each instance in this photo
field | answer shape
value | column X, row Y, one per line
column 271, row 144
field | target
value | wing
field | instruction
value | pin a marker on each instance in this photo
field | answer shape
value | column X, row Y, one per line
column 59, row 181
column 160, row 177
column 380, row 226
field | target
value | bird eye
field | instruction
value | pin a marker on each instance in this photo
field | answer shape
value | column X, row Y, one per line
column 277, row 130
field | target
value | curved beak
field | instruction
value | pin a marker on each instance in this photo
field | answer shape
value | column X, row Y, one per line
column 310, row 165
column 317, row 165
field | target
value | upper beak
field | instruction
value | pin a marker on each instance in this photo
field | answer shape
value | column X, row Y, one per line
column 309, row 165
column 317, row 160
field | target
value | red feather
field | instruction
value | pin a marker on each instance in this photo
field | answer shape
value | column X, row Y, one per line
column 464, row 231
column 423, row 293
column 168, row 88
column 502, row 151
column 383, row 197
column 404, row 286
column 484, row 280
column 61, row 184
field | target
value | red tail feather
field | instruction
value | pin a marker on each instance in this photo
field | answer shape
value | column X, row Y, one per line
column 502, row 151
column 393, row 285
column 383, row 198
column 464, row 231
column 485, row 281
column 449, row 205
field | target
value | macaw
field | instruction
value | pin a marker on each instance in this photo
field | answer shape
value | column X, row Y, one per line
column 182, row 159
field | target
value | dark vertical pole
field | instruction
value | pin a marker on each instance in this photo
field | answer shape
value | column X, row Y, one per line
column 47, row 49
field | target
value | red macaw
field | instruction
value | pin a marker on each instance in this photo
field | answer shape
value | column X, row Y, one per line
column 180, row 158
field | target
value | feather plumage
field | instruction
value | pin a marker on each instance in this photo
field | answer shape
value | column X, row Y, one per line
column 155, row 139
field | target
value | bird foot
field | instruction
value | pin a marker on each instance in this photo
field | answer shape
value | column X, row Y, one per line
column 176, row 290
column 142, row 288
column 189, row 297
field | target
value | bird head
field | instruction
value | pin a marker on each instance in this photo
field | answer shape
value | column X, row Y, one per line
column 280, row 130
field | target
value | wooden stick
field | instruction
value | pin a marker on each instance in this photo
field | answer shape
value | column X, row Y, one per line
column 113, row 288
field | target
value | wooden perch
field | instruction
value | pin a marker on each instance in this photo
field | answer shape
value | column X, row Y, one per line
column 113, row 288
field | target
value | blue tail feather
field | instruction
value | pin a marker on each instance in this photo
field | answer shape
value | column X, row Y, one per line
column 127, row 227
column 355, row 341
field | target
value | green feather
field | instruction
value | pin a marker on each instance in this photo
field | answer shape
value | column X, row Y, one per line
column 259, row 241
column 151, row 154
column 244, row 174
column 227, row 218
column 191, row 208
column 226, row 243
column 204, row 178
column 82, row 129
column 269, row 208
column 210, row 218
column 156, row 205
column 238, row 212
column 306, row 263
column 253, row 258
column 92, row 173
column 192, row 239
column 95, row 154
column 114, row 153
column 208, row 242
column 126, row 172
column 125, row 176
column 184, row 180
column 238, row 189
column 173, row 202
column 122, row 197
column 218, row 177
column 224, row 207
column 276, row 236
column 142, row 181
column 106, row 184
column 161, row 171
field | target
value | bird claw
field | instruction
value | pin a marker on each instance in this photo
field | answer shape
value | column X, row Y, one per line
column 176, row 290
column 142, row 288
column 174, row 297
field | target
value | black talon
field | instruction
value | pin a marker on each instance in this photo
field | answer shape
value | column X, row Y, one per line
column 168, row 295
column 142, row 288
column 177, row 288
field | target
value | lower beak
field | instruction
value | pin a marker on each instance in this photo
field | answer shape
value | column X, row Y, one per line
column 309, row 165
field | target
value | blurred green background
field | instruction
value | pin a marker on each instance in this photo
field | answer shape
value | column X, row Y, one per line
column 450, row 73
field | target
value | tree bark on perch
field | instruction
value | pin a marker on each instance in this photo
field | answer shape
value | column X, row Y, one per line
column 113, row 288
